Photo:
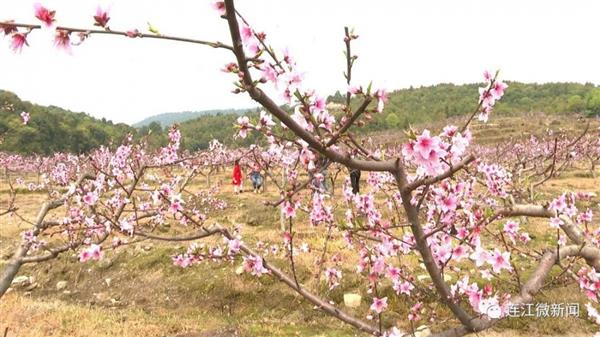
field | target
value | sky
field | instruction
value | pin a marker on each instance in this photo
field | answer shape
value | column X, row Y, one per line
column 401, row 44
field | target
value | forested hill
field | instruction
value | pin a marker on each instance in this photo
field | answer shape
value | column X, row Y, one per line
column 55, row 129
column 52, row 129
column 424, row 104
column 167, row 119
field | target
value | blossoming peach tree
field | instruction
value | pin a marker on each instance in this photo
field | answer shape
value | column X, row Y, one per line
column 533, row 162
column 121, row 195
column 434, row 204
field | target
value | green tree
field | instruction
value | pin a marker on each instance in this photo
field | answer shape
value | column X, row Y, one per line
column 52, row 129
column 526, row 103
column 593, row 102
column 392, row 120
column 575, row 103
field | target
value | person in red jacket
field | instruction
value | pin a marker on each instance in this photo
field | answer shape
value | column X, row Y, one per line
column 237, row 177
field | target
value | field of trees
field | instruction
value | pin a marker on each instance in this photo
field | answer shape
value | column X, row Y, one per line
column 448, row 210
column 137, row 290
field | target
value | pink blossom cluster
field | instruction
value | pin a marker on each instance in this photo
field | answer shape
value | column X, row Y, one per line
column 379, row 305
column 431, row 154
column 566, row 209
column 512, row 230
column 254, row 265
column 481, row 299
column 289, row 209
column 497, row 179
column 33, row 240
column 333, row 277
column 589, row 282
column 93, row 252
column 62, row 38
column 320, row 212
column 489, row 94
column 197, row 253
column 169, row 154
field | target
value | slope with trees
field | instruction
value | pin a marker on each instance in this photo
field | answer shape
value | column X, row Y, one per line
column 53, row 129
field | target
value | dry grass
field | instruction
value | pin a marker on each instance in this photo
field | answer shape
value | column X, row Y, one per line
column 32, row 317
column 501, row 127
column 148, row 296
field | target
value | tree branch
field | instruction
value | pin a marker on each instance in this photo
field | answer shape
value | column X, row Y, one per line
column 215, row 44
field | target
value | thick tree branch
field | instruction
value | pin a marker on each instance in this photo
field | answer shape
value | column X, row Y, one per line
column 472, row 324
column 535, row 282
column 264, row 100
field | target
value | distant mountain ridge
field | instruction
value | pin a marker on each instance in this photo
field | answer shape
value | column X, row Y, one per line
column 169, row 118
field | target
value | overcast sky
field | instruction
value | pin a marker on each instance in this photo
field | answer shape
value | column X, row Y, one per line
column 401, row 43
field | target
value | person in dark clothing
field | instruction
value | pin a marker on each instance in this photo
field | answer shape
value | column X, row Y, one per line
column 354, row 176
column 256, row 178
column 355, row 180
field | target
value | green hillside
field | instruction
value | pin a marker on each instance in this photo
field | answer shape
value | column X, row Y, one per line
column 424, row 105
column 433, row 103
column 199, row 132
column 52, row 129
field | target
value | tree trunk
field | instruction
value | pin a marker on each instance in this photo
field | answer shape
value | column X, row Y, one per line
column 15, row 263
column 264, row 186
column 12, row 268
column 283, row 184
